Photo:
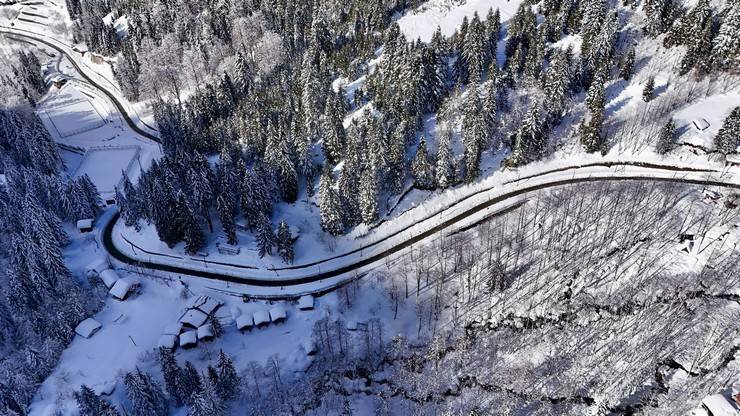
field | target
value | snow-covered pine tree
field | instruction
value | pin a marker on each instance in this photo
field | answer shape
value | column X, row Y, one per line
column 90, row 404
column 226, row 212
column 726, row 48
column 190, row 382
column 658, row 16
column 727, row 139
column 665, row 139
column 556, row 86
column 649, row 90
column 696, row 31
column 530, row 141
column 444, row 167
column 145, row 395
column 460, row 64
column 229, row 381
column 490, row 106
column 369, row 195
column 594, row 15
column 255, row 196
column 285, row 243
column 493, row 34
column 590, row 130
column 396, row 159
column 206, row 402
column 348, row 183
column 595, row 97
column 188, row 224
column 628, row 65
column 421, row 169
column 265, row 236
column 474, row 133
column 172, row 374
column 333, row 131
column 475, row 49
column 331, row 211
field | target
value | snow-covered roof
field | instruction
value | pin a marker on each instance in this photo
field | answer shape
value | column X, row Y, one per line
column 718, row 405
column 3, row 181
column 194, row 318
column 305, row 302
column 261, row 317
column 278, row 313
column 86, row 223
column 206, row 304
column 733, row 159
column 310, row 347
column 205, row 332
column 244, row 321
column 88, row 327
column 97, row 265
column 352, row 325
column 188, row 338
column 109, row 277
column 121, row 288
column 173, row 329
column 167, row 341
column 700, row 123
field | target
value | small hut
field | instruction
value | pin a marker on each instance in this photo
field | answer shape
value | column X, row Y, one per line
column 109, row 277
column 244, row 323
column 278, row 314
column 167, row 341
column 96, row 267
column 205, row 333
column 88, row 328
column 85, row 225
column 123, row 288
column 193, row 318
column 189, row 339
column 732, row 160
column 306, row 303
column 261, row 319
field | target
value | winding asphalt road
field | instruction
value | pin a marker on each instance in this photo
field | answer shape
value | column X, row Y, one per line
column 310, row 276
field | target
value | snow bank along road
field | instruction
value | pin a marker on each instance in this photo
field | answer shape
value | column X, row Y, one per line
column 467, row 211
column 326, row 274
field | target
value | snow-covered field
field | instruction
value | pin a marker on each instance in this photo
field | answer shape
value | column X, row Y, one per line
column 71, row 115
column 104, row 166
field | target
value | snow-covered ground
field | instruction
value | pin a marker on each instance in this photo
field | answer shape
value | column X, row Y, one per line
column 422, row 22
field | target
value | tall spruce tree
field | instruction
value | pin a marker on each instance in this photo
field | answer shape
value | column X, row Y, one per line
column 145, row 395
column 330, row 206
column 530, row 141
column 726, row 48
column 285, row 243
column 369, row 195
column 649, row 91
column 444, row 167
column 228, row 380
column 421, row 169
column 90, row 404
column 665, row 138
column 265, row 236
column 727, row 139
